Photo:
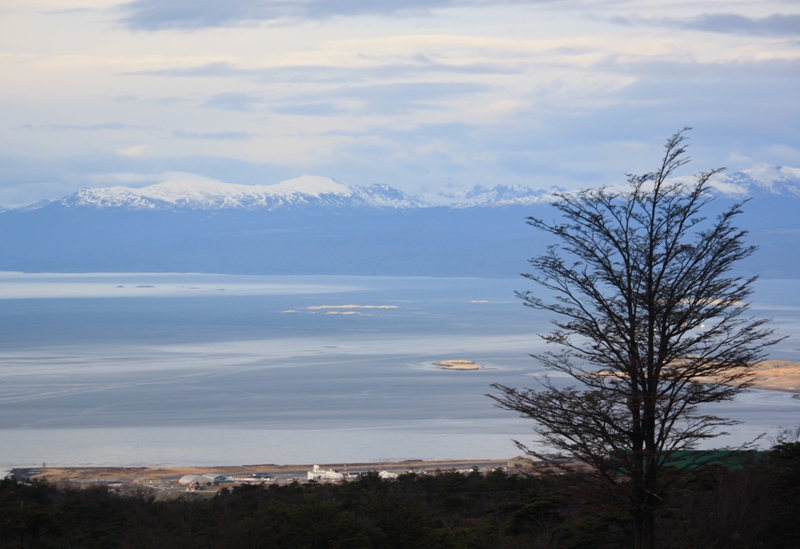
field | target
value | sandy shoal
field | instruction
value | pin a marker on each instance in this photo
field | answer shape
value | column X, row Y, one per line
column 777, row 375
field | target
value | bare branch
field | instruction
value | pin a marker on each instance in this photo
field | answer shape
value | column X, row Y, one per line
column 650, row 324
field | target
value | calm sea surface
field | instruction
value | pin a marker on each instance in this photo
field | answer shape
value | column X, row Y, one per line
column 134, row 369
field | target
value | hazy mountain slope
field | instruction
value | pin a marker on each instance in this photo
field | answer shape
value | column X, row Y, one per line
column 316, row 225
column 431, row 241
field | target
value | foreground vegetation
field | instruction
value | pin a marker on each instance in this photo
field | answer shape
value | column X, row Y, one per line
column 752, row 502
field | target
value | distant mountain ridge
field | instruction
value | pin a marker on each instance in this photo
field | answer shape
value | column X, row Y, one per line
column 780, row 180
column 197, row 193
column 317, row 225
column 206, row 194
column 300, row 192
column 481, row 196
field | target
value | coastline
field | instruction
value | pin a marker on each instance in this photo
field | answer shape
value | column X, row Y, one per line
column 777, row 375
column 282, row 473
column 768, row 375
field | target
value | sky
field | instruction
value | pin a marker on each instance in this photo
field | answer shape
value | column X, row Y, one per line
column 422, row 95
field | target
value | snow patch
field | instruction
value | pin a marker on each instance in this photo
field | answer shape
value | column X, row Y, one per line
column 201, row 193
column 313, row 185
column 180, row 190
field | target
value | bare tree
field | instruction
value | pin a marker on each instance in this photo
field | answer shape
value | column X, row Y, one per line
column 650, row 323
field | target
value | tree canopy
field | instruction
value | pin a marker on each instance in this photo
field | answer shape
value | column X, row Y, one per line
column 651, row 323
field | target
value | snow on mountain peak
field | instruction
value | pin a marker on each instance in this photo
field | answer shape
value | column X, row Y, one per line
column 201, row 193
column 771, row 179
column 314, row 185
column 775, row 179
column 499, row 195
column 178, row 190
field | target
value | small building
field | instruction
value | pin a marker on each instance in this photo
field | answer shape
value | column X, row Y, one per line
column 213, row 478
column 185, row 480
column 148, row 481
column 255, row 478
column 321, row 475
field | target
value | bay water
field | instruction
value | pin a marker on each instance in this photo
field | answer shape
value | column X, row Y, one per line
column 191, row 369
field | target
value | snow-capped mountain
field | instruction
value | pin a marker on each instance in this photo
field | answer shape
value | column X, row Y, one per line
column 499, row 195
column 776, row 180
column 208, row 194
column 198, row 193
column 192, row 192
column 317, row 225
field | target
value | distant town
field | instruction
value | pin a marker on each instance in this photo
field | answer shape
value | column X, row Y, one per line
column 170, row 483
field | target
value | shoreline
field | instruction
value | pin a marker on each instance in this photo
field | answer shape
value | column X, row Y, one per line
column 282, row 473
column 777, row 375
column 785, row 376
column 770, row 375
column 767, row 375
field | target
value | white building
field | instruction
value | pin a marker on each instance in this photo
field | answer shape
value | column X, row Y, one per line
column 185, row 480
column 388, row 475
column 328, row 475
column 252, row 479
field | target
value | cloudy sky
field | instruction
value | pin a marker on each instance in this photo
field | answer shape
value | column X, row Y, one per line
column 418, row 94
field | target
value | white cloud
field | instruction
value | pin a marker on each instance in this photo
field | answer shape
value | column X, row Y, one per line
column 134, row 150
column 725, row 185
column 413, row 94
column 144, row 179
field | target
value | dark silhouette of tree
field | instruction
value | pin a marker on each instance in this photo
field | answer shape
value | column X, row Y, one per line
column 651, row 324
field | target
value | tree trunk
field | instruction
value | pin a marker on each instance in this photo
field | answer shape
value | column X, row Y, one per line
column 644, row 529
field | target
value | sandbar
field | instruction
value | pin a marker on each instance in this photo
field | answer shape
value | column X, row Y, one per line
column 777, row 375
column 769, row 375
column 458, row 364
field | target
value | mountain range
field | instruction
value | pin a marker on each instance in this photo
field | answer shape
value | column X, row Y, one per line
column 306, row 191
column 317, row 225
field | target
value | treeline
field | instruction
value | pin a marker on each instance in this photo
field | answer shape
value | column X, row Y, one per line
column 746, row 504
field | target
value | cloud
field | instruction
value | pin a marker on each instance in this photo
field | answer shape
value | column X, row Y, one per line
column 310, row 109
column 327, row 73
column 226, row 102
column 106, row 126
column 134, row 150
column 220, row 136
column 408, row 91
column 232, row 102
column 721, row 70
column 155, row 15
column 776, row 25
column 199, row 71
column 171, row 101
column 397, row 98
